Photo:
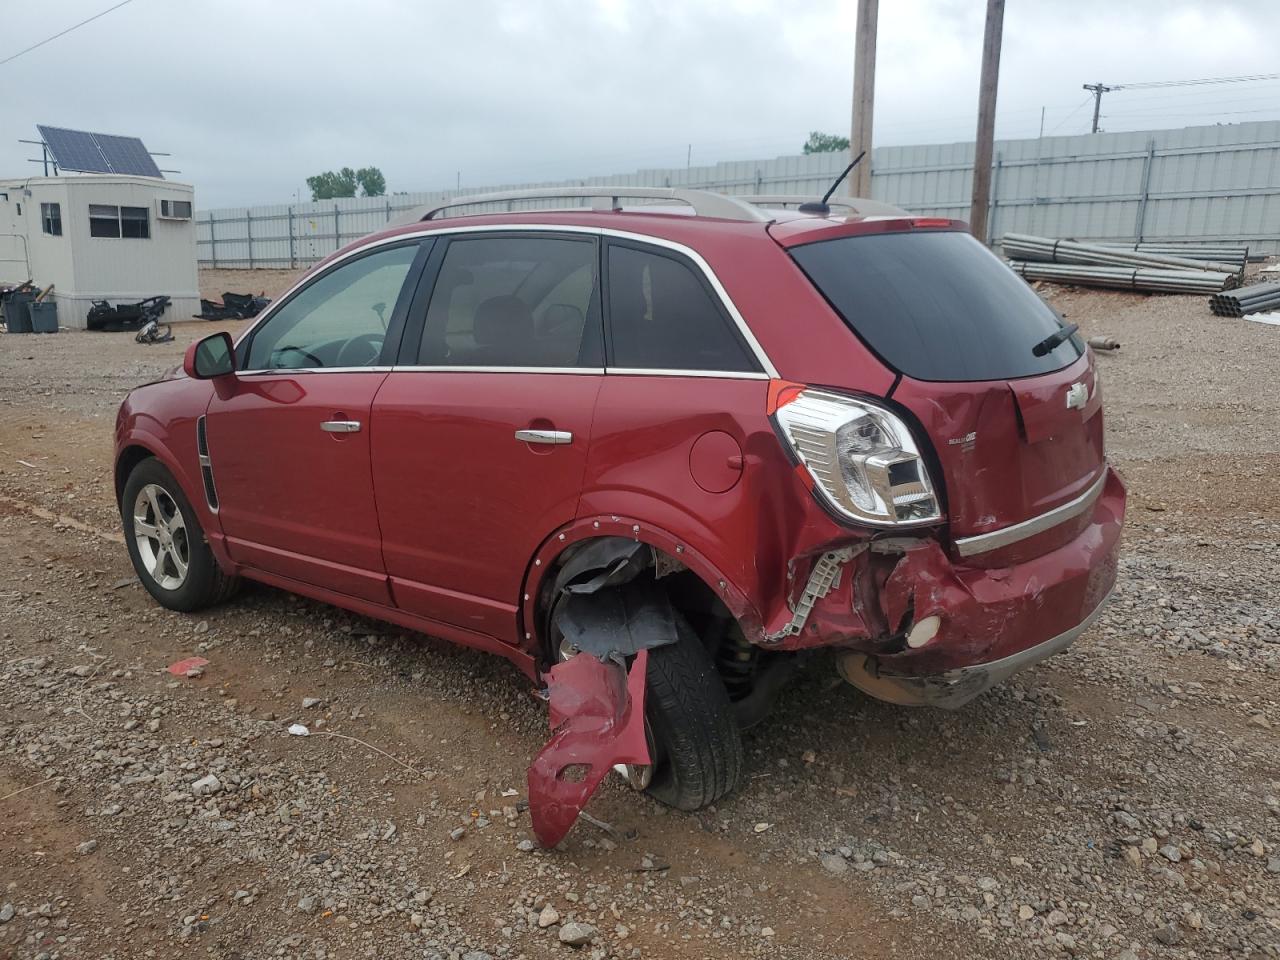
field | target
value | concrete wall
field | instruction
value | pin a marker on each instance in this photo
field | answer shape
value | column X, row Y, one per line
column 84, row 268
column 1218, row 182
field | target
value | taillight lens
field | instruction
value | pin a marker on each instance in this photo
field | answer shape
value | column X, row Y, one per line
column 862, row 458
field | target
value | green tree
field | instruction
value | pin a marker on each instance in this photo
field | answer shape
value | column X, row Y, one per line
column 330, row 184
column 372, row 182
column 819, row 142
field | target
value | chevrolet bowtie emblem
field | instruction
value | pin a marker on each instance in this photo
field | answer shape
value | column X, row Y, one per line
column 1077, row 396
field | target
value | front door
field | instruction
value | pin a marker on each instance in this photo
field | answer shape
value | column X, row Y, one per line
column 480, row 438
column 288, row 436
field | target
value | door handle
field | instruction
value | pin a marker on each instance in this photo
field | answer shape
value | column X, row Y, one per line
column 545, row 436
column 341, row 426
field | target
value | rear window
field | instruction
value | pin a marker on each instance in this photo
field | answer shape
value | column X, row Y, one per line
column 936, row 306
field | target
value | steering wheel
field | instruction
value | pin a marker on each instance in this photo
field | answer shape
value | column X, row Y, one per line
column 361, row 351
column 315, row 361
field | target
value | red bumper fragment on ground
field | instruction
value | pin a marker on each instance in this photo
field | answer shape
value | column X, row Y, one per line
column 597, row 720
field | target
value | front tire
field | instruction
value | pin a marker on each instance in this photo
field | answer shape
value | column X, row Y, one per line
column 167, row 544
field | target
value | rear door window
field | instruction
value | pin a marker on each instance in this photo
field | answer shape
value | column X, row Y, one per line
column 663, row 316
column 514, row 302
column 936, row 305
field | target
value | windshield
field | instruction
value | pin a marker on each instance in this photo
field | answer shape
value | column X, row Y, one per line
column 936, row 305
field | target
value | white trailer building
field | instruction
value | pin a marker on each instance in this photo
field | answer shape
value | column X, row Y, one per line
column 100, row 237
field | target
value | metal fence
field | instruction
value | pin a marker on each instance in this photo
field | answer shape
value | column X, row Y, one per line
column 1194, row 183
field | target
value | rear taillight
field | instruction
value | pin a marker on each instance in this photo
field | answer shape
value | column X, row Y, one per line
column 863, row 459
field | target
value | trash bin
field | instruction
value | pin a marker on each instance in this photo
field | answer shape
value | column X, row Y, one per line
column 44, row 317
column 17, row 312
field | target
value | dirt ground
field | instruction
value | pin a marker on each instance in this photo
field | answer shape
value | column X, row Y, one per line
column 1119, row 801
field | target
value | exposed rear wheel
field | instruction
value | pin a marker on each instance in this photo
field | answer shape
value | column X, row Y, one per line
column 690, row 725
column 699, row 747
column 166, row 543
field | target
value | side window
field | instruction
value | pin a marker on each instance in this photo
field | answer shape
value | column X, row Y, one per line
column 514, row 302
column 339, row 320
column 104, row 220
column 51, row 219
column 662, row 317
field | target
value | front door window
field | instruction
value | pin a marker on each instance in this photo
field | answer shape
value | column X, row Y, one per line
column 338, row 320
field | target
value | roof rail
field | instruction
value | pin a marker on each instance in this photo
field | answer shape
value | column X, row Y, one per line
column 704, row 202
column 860, row 205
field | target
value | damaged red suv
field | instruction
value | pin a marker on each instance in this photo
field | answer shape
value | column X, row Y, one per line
column 649, row 455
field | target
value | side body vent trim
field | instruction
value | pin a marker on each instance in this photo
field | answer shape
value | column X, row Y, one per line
column 206, row 466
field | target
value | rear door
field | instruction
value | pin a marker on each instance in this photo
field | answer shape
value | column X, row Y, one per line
column 481, row 432
column 288, row 436
column 1017, row 430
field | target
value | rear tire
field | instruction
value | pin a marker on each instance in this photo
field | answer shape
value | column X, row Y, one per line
column 699, row 746
column 167, row 544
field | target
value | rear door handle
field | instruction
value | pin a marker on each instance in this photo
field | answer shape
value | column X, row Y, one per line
column 545, row 436
column 341, row 426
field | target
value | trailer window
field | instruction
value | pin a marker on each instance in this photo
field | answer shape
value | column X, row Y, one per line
column 51, row 218
column 135, row 222
column 107, row 220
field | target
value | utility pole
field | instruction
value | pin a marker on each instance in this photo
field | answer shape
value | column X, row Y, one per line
column 984, row 144
column 864, row 95
column 1098, row 89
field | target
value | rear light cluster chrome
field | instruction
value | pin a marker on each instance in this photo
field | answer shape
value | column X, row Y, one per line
column 862, row 457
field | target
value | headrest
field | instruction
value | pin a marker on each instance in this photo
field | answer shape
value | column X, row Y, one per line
column 503, row 320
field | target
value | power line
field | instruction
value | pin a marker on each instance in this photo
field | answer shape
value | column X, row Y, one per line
column 1071, row 114
column 1098, row 89
column 1192, row 83
column 64, row 32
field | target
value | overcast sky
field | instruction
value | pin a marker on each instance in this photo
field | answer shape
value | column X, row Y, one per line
column 251, row 97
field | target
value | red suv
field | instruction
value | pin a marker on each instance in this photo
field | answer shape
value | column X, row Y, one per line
column 688, row 440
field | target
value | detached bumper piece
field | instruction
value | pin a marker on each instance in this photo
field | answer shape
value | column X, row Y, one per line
column 597, row 719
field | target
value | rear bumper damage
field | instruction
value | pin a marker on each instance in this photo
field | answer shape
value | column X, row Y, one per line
column 923, row 627
column 954, row 688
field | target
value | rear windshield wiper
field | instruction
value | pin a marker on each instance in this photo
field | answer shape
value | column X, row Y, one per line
column 1054, row 340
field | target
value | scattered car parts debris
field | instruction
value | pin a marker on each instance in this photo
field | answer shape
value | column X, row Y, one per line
column 105, row 318
column 597, row 719
column 154, row 332
column 1104, row 343
column 184, row 668
column 233, row 306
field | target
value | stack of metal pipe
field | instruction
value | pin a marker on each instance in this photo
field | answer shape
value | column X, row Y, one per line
column 1232, row 255
column 1089, row 264
column 1123, row 278
column 1254, row 299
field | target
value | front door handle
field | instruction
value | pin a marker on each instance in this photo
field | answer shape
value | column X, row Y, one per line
column 341, row 426
column 545, row 436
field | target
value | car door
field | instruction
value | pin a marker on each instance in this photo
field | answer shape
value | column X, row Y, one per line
column 481, row 432
column 678, row 434
column 288, row 435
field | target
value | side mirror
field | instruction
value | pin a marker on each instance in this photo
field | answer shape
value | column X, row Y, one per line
column 211, row 357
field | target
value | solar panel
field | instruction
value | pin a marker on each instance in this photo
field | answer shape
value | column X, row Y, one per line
column 74, row 150
column 127, row 155
column 86, row 152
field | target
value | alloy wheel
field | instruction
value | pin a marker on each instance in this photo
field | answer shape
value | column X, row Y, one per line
column 160, row 534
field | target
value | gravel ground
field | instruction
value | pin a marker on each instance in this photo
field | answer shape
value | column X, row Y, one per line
column 1121, row 800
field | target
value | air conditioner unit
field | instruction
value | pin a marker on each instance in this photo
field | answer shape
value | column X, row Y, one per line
column 173, row 209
